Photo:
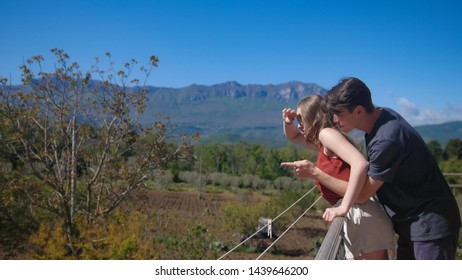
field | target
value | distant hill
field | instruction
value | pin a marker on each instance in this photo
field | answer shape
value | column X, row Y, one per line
column 231, row 112
column 441, row 132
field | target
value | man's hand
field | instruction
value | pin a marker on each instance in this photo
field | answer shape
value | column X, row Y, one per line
column 304, row 169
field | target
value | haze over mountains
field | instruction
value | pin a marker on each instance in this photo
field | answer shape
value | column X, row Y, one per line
column 228, row 106
column 231, row 112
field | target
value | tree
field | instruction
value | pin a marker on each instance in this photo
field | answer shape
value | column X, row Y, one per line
column 82, row 138
column 453, row 149
column 436, row 150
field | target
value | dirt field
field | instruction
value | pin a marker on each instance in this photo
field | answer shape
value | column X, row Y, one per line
column 190, row 207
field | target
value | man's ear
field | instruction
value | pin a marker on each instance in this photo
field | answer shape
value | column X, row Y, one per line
column 359, row 110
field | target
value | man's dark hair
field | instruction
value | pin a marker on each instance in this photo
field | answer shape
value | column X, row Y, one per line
column 348, row 94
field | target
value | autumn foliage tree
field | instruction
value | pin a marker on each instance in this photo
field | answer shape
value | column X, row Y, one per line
column 78, row 136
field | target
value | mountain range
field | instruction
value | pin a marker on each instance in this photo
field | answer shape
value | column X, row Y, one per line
column 228, row 106
column 231, row 112
column 441, row 132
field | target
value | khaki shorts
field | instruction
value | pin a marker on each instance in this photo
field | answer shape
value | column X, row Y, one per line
column 366, row 229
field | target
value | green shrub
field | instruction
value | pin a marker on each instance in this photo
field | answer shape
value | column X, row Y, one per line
column 197, row 244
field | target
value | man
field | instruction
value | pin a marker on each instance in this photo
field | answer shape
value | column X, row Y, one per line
column 402, row 172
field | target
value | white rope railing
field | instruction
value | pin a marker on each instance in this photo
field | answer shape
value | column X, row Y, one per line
column 454, row 186
column 266, row 250
column 272, row 220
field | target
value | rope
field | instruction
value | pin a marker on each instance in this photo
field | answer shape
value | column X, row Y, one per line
column 237, row 246
column 266, row 250
column 295, row 203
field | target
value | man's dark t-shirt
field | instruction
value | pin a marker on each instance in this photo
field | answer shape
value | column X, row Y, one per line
column 415, row 193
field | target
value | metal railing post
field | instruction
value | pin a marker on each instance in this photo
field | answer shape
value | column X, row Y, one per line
column 332, row 246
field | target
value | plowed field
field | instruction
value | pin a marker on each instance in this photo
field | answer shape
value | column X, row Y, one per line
column 190, row 207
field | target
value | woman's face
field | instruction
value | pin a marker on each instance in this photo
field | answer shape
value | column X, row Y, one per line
column 299, row 119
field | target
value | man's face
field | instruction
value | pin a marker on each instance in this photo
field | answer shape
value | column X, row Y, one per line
column 345, row 120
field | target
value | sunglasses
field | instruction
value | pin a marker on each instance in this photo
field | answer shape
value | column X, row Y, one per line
column 299, row 119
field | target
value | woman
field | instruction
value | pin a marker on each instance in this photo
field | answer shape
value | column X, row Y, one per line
column 368, row 230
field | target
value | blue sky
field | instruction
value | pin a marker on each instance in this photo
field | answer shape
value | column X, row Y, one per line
column 408, row 52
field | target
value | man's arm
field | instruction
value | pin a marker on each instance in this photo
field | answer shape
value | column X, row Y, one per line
column 371, row 186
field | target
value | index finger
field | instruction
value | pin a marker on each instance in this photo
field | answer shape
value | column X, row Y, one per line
column 289, row 164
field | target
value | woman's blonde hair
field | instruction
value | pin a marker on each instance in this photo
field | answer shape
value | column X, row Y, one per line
column 314, row 117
